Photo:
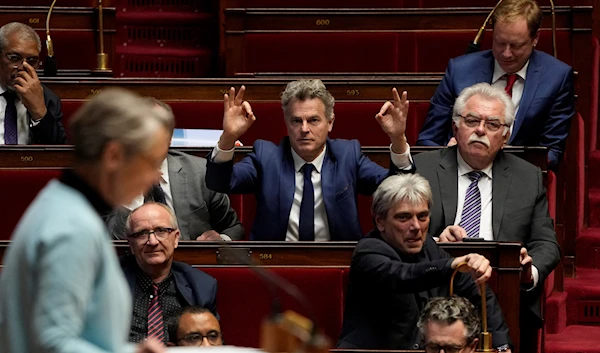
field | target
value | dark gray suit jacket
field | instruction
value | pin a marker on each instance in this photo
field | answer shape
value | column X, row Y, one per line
column 198, row 208
column 519, row 207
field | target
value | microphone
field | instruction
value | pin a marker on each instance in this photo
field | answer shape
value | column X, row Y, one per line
column 50, row 69
column 474, row 46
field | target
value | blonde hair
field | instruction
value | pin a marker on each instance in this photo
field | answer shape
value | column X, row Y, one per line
column 511, row 10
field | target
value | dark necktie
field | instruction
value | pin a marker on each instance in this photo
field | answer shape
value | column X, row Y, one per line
column 156, row 327
column 471, row 213
column 156, row 194
column 510, row 82
column 10, row 119
column 306, row 227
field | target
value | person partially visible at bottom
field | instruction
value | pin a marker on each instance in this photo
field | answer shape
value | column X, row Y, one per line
column 61, row 288
column 194, row 326
column 397, row 267
column 451, row 324
column 160, row 286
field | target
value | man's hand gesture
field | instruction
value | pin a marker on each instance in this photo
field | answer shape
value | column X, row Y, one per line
column 237, row 118
column 478, row 265
column 30, row 91
column 392, row 118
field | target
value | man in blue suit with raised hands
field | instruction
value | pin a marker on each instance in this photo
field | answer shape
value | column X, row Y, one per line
column 306, row 187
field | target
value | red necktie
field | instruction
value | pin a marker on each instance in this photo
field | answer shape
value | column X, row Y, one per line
column 510, row 81
column 156, row 327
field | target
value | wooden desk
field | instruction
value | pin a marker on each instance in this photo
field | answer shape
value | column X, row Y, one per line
column 504, row 258
column 53, row 157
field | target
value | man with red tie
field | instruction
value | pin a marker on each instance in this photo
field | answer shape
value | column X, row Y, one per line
column 541, row 87
column 160, row 286
column 29, row 112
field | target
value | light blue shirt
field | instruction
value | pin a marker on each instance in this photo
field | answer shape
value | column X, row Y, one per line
column 61, row 288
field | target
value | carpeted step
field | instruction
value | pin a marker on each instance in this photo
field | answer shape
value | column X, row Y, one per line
column 594, row 170
column 574, row 339
column 588, row 248
column 583, row 301
column 556, row 312
column 594, row 203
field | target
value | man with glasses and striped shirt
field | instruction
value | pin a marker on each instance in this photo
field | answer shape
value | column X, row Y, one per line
column 160, row 286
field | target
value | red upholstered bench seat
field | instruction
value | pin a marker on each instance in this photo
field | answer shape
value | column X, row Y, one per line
column 240, row 323
column 424, row 51
column 354, row 120
column 19, row 187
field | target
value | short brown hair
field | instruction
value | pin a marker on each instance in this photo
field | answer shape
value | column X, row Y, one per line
column 511, row 10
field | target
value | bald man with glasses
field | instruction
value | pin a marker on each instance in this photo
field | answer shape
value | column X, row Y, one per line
column 160, row 286
column 29, row 112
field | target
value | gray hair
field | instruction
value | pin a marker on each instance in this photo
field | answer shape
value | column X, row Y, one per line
column 411, row 188
column 488, row 92
column 172, row 217
column 23, row 31
column 448, row 311
column 302, row 90
column 118, row 115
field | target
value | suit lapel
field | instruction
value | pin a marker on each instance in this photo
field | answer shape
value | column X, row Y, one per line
column 287, row 186
column 328, row 189
column 500, row 184
column 447, row 174
column 487, row 72
column 178, row 186
column 534, row 72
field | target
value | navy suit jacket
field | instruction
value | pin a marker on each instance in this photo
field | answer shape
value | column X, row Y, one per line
column 195, row 286
column 545, row 109
column 50, row 130
column 268, row 173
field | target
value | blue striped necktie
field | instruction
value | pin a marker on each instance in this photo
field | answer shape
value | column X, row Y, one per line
column 470, row 219
column 10, row 119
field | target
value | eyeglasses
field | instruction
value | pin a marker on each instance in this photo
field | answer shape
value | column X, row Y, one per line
column 195, row 339
column 17, row 60
column 490, row 125
column 144, row 235
column 434, row 348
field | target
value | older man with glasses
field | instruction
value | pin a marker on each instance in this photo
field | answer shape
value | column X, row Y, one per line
column 160, row 286
column 29, row 112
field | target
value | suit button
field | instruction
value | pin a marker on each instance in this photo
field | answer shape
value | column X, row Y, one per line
column 416, row 346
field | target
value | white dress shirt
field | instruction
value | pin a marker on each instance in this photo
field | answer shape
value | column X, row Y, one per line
column 164, row 184
column 499, row 81
column 402, row 161
column 23, row 120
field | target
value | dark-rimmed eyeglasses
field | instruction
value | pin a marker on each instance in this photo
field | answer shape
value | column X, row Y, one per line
column 143, row 235
column 434, row 348
column 17, row 60
column 195, row 339
column 490, row 125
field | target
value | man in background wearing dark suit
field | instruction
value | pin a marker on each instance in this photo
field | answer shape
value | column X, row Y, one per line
column 160, row 286
column 398, row 267
column 541, row 86
column 29, row 112
column 306, row 188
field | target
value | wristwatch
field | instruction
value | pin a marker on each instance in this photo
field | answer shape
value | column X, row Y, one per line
column 503, row 348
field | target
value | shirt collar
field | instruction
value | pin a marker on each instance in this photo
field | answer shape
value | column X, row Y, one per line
column 499, row 73
column 164, row 169
column 464, row 167
column 70, row 178
column 317, row 162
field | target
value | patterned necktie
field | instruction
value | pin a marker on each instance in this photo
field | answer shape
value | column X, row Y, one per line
column 156, row 327
column 156, row 194
column 10, row 119
column 510, row 82
column 471, row 213
column 306, row 227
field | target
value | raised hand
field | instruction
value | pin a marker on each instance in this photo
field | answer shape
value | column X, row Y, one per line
column 30, row 91
column 392, row 118
column 237, row 118
column 477, row 264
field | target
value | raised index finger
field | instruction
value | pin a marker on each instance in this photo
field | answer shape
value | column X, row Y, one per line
column 30, row 70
